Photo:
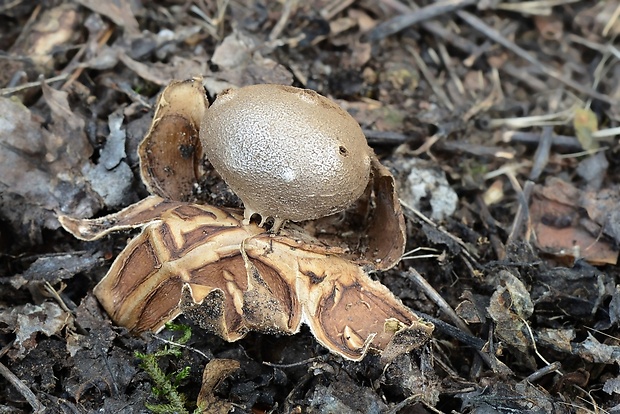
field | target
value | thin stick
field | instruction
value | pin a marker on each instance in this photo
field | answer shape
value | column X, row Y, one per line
column 534, row 137
column 523, row 211
column 612, row 21
column 37, row 83
column 334, row 8
column 294, row 364
column 169, row 342
column 433, row 295
column 439, row 30
column 541, row 157
column 401, row 22
column 494, row 35
column 445, row 57
column 430, row 78
column 548, row 369
column 32, row 399
column 289, row 5
column 469, row 255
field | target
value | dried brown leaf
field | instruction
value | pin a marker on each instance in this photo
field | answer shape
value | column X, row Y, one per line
column 510, row 307
column 29, row 320
column 119, row 11
column 240, row 65
column 214, row 373
column 41, row 170
column 55, row 27
column 560, row 227
column 157, row 73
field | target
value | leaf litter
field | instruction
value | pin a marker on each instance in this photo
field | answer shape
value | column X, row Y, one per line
column 533, row 273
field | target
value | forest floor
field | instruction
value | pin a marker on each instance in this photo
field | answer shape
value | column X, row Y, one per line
column 499, row 121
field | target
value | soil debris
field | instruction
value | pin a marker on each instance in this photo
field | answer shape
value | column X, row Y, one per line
column 513, row 107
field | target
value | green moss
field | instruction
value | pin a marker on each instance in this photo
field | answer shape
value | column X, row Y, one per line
column 165, row 386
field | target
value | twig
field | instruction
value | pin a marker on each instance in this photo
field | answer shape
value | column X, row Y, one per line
column 548, row 369
column 434, row 296
column 557, row 118
column 612, row 21
column 37, row 83
column 462, row 333
column 494, row 35
column 569, row 142
column 509, row 29
column 173, row 343
column 531, row 334
column 439, row 30
column 385, row 137
column 601, row 48
column 32, row 399
column 430, row 78
column 401, row 22
column 599, row 73
column 493, row 97
column 541, row 157
column 295, row 364
column 605, row 133
column 522, row 74
column 334, row 8
column 407, row 401
column 523, row 211
column 73, row 68
column 445, row 58
column 453, row 332
column 539, row 8
column 491, row 226
column 289, row 5
column 9, row 6
column 466, row 252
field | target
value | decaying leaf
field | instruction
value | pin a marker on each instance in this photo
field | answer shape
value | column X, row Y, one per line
column 29, row 320
column 118, row 11
column 43, row 167
column 214, row 373
column 563, row 230
column 52, row 29
column 232, row 278
column 510, row 308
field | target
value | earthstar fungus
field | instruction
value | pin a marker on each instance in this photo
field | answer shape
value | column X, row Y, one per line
column 231, row 276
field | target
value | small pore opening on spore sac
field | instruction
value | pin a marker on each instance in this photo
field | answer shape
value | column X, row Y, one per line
column 343, row 151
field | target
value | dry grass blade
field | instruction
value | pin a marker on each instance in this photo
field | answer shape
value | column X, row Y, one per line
column 401, row 22
column 15, row 89
column 558, row 118
column 540, row 8
column 493, row 34
column 431, row 79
